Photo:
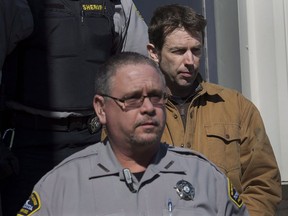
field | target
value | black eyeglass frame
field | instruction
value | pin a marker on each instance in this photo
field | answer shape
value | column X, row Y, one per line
column 138, row 100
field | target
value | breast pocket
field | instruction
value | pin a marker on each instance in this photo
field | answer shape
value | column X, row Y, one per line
column 223, row 148
column 98, row 38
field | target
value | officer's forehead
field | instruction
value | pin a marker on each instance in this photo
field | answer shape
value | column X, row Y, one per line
column 137, row 74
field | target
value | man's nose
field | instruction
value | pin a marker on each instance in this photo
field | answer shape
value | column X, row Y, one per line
column 147, row 105
column 189, row 58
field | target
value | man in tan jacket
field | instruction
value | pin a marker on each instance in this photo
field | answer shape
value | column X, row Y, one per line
column 216, row 121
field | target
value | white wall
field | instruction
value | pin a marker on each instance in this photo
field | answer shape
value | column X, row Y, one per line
column 263, row 28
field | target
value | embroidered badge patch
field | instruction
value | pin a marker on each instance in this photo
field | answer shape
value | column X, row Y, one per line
column 32, row 205
column 234, row 195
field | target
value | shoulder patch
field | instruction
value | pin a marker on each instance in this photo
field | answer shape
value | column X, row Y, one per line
column 234, row 195
column 32, row 205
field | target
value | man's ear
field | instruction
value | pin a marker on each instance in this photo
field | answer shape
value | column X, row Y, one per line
column 98, row 104
column 153, row 52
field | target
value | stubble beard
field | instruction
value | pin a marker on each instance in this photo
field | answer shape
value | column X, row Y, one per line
column 145, row 141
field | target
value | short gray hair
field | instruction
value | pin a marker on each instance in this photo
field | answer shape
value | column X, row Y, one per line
column 108, row 70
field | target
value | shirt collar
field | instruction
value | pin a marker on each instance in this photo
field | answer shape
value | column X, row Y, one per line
column 106, row 163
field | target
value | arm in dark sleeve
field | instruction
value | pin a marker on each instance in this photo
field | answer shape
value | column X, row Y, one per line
column 261, row 181
column 16, row 23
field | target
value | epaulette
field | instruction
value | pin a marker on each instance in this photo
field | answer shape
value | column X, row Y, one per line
column 185, row 151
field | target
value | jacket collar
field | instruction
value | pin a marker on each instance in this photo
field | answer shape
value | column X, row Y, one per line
column 203, row 88
column 206, row 87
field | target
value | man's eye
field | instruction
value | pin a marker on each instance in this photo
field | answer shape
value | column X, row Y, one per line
column 132, row 100
column 197, row 51
column 178, row 52
column 155, row 98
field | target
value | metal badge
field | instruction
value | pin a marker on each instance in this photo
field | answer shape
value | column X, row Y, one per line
column 185, row 190
column 94, row 124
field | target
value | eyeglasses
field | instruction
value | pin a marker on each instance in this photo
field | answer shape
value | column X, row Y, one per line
column 136, row 102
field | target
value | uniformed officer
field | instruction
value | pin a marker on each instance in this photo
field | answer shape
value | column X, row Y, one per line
column 49, row 82
column 132, row 172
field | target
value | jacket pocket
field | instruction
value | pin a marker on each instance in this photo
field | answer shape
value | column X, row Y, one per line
column 223, row 146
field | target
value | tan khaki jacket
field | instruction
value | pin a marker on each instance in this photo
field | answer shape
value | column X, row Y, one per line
column 227, row 128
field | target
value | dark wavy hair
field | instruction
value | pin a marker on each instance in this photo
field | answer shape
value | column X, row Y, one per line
column 167, row 18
